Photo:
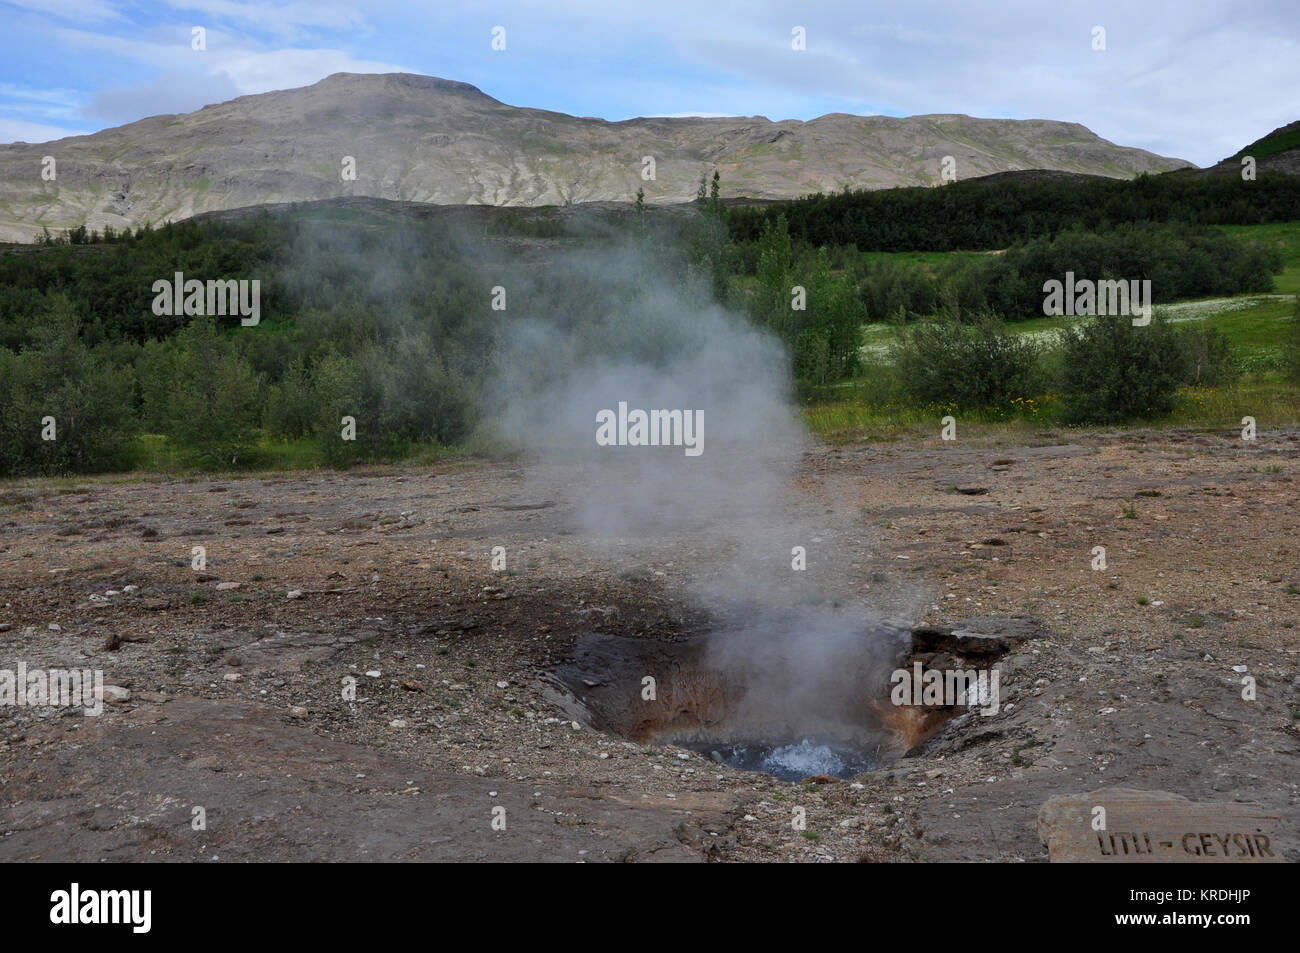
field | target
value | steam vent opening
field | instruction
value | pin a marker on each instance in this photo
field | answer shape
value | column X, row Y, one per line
column 762, row 708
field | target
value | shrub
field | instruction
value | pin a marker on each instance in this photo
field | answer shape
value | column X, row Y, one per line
column 1113, row 371
column 976, row 365
column 1206, row 356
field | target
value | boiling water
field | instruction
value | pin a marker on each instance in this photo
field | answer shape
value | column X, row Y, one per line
column 791, row 762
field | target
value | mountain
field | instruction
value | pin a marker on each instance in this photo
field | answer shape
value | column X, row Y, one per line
column 1279, row 151
column 423, row 139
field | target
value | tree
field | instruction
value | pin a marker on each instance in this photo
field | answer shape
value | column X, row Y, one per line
column 86, row 402
column 213, row 396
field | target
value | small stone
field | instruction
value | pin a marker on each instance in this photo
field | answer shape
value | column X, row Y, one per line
column 397, row 723
column 294, row 594
column 113, row 693
column 5, row 626
column 223, row 586
column 1239, row 668
column 130, row 589
column 54, row 627
column 374, row 673
column 297, row 711
column 233, row 677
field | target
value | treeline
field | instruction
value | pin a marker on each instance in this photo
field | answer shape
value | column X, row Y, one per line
column 994, row 215
column 840, row 290
column 1180, row 261
column 388, row 326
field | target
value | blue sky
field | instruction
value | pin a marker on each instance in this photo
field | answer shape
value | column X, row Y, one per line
column 1185, row 78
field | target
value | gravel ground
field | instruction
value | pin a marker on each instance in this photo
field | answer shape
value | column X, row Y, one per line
column 385, row 576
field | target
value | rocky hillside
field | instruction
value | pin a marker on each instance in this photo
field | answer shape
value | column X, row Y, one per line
column 1279, row 151
column 422, row 139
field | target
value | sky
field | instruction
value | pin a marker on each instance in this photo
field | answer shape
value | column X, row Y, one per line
column 1191, row 79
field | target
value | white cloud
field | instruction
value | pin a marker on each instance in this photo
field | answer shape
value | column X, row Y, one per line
column 280, row 19
column 170, row 92
column 230, row 66
column 19, row 130
column 91, row 11
column 260, row 72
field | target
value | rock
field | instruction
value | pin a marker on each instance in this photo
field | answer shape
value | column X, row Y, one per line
column 54, row 627
column 297, row 711
column 294, row 594
column 113, row 693
column 972, row 490
column 225, row 586
column 130, row 589
column 1155, row 827
column 233, row 677
column 411, row 686
column 5, row 626
column 397, row 723
column 374, row 673
column 820, row 779
column 983, row 638
column 112, row 643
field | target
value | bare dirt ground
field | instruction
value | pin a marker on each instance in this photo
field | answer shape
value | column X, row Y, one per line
column 235, row 702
